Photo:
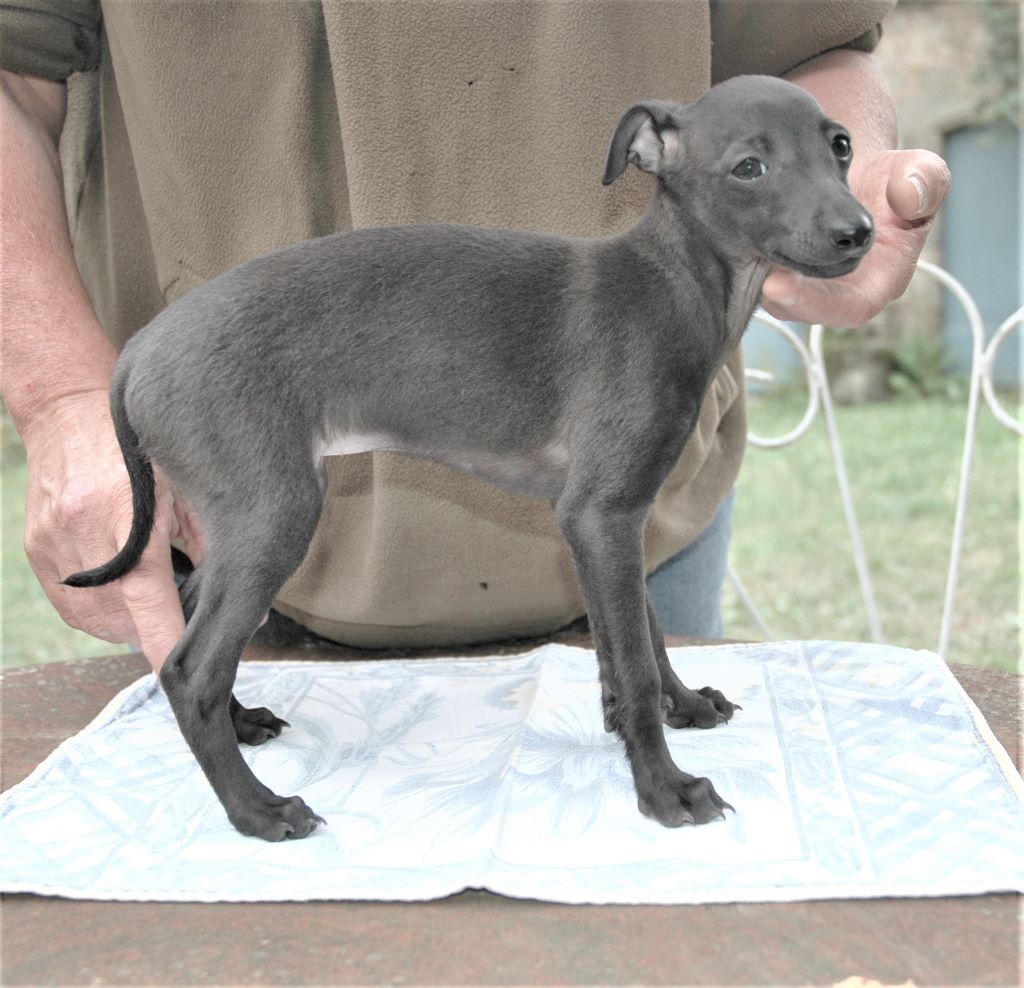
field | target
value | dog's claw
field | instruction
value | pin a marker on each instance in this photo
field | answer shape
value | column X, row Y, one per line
column 683, row 799
column 277, row 818
column 725, row 708
column 316, row 821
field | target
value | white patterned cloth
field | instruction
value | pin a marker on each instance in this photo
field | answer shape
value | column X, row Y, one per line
column 856, row 771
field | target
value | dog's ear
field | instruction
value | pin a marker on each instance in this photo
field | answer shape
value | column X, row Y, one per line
column 647, row 135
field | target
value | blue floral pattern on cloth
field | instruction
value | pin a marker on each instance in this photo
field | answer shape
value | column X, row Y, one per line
column 856, row 771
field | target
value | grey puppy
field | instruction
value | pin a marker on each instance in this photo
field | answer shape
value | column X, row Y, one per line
column 565, row 369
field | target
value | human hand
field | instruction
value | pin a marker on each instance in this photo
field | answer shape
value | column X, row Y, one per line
column 903, row 191
column 78, row 513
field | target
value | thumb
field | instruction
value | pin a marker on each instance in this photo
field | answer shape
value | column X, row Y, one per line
column 918, row 185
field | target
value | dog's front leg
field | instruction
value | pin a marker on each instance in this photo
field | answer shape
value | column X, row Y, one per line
column 607, row 546
column 681, row 706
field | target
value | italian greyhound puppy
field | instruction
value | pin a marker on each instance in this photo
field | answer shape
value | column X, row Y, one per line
column 567, row 369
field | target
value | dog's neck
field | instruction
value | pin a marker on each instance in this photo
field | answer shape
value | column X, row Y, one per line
column 745, row 292
column 676, row 235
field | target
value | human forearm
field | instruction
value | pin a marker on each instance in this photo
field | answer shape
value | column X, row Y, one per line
column 53, row 345
column 57, row 364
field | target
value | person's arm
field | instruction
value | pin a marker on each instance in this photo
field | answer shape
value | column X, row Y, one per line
column 903, row 191
column 40, row 282
column 57, row 364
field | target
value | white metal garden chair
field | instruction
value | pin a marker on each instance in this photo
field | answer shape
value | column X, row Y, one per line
column 983, row 357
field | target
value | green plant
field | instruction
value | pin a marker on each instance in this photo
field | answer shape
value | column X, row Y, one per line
column 999, row 74
column 921, row 366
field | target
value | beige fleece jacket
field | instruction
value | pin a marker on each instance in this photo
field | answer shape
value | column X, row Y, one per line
column 202, row 134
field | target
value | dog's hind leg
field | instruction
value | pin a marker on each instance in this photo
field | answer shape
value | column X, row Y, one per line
column 252, row 550
column 254, row 725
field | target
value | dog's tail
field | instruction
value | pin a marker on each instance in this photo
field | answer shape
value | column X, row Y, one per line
column 140, row 474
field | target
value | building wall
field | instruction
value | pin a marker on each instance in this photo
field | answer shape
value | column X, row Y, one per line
column 935, row 55
column 932, row 53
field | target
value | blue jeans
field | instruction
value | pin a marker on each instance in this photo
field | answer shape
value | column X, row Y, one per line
column 687, row 589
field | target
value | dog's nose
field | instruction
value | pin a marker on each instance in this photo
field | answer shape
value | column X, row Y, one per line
column 852, row 236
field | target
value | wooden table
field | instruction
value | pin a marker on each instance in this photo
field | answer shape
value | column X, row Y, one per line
column 477, row 938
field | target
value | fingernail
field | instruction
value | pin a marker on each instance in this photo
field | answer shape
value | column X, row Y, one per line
column 918, row 183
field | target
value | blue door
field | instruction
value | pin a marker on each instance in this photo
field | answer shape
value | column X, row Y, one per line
column 982, row 241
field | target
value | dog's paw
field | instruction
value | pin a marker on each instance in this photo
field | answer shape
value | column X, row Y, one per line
column 276, row 818
column 682, row 799
column 255, row 725
column 703, row 708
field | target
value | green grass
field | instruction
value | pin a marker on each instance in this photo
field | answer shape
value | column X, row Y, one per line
column 790, row 545
column 791, row 549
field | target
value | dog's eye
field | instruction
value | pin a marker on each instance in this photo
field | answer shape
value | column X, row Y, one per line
column 749, row 169
column 841, row 147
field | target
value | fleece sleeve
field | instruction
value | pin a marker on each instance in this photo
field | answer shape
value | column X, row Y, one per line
column 51, row 39
column 758, row 37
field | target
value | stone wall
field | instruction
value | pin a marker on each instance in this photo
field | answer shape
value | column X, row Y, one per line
column 934, row 55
